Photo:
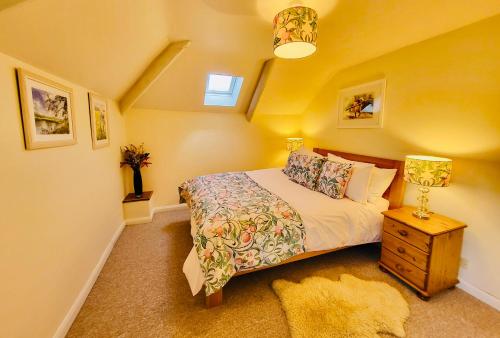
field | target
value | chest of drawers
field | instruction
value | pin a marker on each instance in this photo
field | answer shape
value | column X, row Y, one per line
column 425, row 254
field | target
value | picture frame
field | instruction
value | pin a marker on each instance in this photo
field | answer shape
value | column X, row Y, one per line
column 362, row 106
column 47, row 111
column 99, row 121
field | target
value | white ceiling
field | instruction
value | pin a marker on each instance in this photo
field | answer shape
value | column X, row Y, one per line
column 106, row 44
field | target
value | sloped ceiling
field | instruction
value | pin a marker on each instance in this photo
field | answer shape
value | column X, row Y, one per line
column 223, row 40
column 8, row 3
column 106, row 44
column 101, row 44
column 359, row 30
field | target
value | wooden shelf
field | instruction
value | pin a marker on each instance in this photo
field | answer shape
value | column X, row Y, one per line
column 146, row 196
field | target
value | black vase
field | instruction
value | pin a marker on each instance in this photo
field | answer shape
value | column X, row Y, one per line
column 137, row 182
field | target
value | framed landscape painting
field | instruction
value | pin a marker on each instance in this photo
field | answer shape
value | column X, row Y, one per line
column 362, row 106
column 99, row 121
column 47, row 112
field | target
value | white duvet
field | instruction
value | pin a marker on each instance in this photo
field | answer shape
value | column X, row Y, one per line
column 329, row 223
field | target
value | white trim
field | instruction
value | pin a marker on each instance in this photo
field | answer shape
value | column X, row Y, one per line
column 63, row 328
column 139, row 220
column 66, row 323
column 480, row 294
column 171, row 207
column 155, row 210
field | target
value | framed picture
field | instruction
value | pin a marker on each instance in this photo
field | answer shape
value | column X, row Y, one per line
column 98, row 121
column 47, row 112
column 362, row 106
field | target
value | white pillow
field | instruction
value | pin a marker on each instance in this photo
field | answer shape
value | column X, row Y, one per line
column 379, row 202
column 381, row 180
column 308, row 152
column 357, row 188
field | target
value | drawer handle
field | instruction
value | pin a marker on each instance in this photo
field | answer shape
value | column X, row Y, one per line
column 401, row 250
column 403, row 233
column 400, row 267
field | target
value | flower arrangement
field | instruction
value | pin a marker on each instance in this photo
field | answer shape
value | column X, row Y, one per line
column 134, row 156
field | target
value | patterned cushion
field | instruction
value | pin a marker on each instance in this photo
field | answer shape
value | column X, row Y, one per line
column 304, row 169
column 334, row 178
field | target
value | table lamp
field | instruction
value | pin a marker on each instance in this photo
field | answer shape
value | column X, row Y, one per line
column 294, row 143
column 426, row 171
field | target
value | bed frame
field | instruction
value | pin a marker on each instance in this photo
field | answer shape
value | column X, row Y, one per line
column 394, row 194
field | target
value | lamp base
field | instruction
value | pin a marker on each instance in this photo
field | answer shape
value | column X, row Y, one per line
column 421, row 214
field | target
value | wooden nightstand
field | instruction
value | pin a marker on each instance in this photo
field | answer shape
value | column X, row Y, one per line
column 423, row 253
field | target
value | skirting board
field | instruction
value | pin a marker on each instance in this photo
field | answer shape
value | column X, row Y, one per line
column 63, row 328
column 65, row 325
column 141, row 220
column 172, row 207
column 480, row 294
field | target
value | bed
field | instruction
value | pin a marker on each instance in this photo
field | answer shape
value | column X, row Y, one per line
column 283, row 222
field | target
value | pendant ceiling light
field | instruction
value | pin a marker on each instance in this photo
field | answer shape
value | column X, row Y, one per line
column 295, row 32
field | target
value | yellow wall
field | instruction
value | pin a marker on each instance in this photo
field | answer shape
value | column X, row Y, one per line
column 59, row 208
column 442, row 98
column 187, row 144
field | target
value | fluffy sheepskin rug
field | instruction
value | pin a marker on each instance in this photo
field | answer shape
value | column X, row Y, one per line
column 350, row 307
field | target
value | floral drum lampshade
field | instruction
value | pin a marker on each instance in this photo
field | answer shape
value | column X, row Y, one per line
column 426, row 171
column 294, row 143
column 295, row 32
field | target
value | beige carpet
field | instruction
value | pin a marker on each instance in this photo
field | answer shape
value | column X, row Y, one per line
column 319, row 307
column 142, row 292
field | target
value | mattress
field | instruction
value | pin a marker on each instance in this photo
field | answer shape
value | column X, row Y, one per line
column 329, row 223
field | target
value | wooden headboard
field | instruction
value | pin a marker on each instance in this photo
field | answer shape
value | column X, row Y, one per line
column 395, row 192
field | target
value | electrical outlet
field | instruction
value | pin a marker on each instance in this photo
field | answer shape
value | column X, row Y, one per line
column 464, row 263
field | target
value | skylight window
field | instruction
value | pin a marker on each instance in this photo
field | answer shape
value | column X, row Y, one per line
column 222, row 90
column 220, row 83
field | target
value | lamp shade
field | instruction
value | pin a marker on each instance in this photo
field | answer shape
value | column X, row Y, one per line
column 428, row 171
column 294, row 143
column 295, row 32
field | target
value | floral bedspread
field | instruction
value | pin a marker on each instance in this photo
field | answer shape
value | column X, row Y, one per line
column 239, row 226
